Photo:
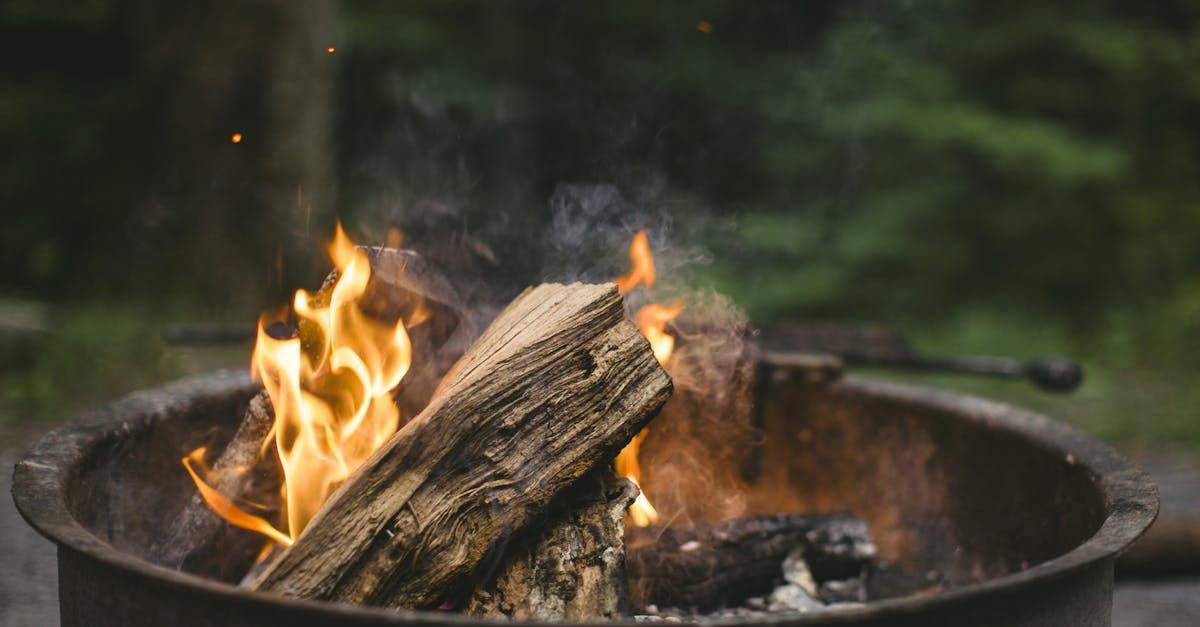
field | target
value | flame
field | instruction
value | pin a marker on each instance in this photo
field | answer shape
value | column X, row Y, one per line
column 331, row 391
column 223, row 506
column 236, row 138
column 652, row 321
column 643, row 265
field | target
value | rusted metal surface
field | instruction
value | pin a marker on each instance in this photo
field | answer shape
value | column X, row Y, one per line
column 1020, row 515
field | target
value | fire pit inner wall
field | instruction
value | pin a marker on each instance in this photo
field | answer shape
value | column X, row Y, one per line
column 945, row 488
column 1020, row 515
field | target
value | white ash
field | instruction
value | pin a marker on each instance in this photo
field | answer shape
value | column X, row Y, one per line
column 797, row 593
column 795, row 571
column 843, row 591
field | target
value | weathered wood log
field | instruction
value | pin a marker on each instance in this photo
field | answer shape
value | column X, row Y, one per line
column 558, row 383
column 402, row 286
column 710, row 565
column 200, row 542
column 572, row 565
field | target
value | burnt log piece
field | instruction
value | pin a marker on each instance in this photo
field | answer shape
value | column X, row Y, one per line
column 572, row 567
column 202, row 543
column 712, row 565
column 558, row 383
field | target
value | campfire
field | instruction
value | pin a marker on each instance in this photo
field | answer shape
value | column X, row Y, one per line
column 524, row 483
column 599, row 451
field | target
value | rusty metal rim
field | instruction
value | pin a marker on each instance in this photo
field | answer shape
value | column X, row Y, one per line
column 42, row 479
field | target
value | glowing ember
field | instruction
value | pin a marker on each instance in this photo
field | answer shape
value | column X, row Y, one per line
column 330, row 50
column 652, row 321
column 236, row 138
column 331, row 391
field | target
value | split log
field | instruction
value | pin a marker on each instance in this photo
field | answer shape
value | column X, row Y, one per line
column 711, row 565
column 572, row 567
column 554, row 388
column 402, row 286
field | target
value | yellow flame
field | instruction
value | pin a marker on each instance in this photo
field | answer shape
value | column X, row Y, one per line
column 331, row 390
column 652, row 321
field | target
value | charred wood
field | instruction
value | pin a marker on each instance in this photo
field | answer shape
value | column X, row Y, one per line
column 201, row 542
column 711, row 565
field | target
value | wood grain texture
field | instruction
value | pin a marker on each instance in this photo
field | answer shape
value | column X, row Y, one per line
column 557, row 384
column 572, row 567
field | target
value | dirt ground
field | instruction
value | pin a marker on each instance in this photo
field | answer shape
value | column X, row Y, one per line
column 28, row 581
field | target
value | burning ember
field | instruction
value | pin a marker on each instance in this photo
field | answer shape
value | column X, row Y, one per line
column 652, row 321
column 330, row 387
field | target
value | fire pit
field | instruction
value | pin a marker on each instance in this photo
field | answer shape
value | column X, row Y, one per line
column 1013, row 518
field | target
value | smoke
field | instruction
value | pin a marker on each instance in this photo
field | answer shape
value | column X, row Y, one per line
column 695, row 449
column 587, row 236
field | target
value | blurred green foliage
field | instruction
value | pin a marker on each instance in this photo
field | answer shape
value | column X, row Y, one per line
column 1019, row 178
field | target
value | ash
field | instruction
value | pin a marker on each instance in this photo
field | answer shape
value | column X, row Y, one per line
column 796, row 593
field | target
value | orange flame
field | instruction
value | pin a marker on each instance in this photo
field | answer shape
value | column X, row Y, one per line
column 642, row 261
column 652, row 321
column 331, row 391
column 223, row 506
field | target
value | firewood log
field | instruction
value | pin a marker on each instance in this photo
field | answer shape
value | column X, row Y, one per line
column 715, row 564
column 558, row 383
column 572, row 565
column 401, row 286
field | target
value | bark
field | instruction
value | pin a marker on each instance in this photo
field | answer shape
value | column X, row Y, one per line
column 572, row 567
column 557, row 384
